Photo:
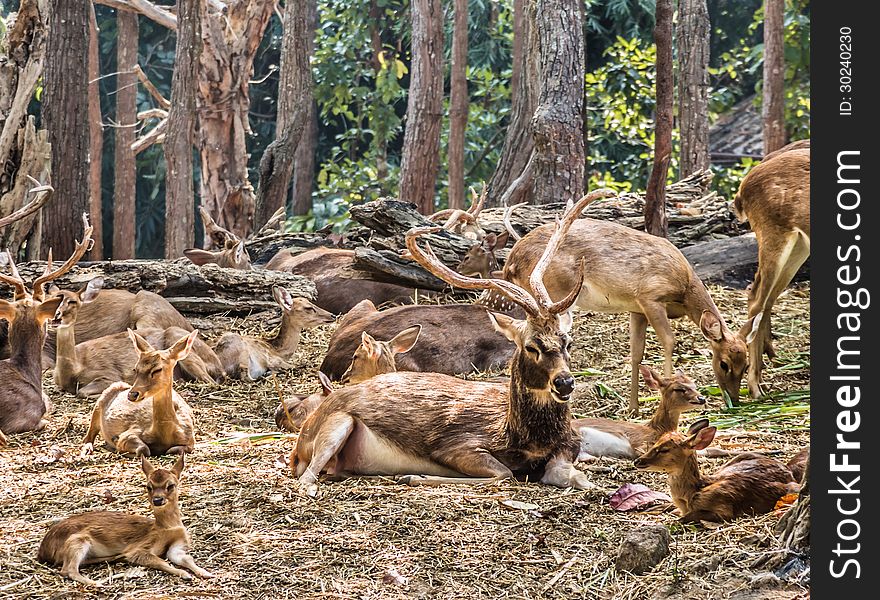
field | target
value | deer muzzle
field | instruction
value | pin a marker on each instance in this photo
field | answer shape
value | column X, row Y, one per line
column 563, row 386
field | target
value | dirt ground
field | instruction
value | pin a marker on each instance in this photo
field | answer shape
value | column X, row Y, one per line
column 379, row 539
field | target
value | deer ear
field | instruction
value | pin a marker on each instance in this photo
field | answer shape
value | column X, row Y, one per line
column 140, row 344
column 200, row 257
column 756, row 324
column 490, row 241
column 146, row 466
column 326, row 386
column 506, row 326
column 53, row 289
column 183, row 346
column 282, row 297
column 240, row 252
column 566, row 321
column 698, row 425
column 501, row 240
column 48, row 308
column 710, row 325
column 177, row 469
column 405, row 340
column 369, row 344
column 652, row 379
column 92, row 289
column 702, row 439
column 7, row 310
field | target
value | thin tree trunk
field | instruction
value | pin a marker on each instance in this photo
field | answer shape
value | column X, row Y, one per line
column 556, row 124
column 304, row 159
column 179, row 200
column 125, row 169
column 656, row 222
column 458, row 104
column 65, row 115
column 693, row 85
column 773, row 106
column 421, row 140
column 294, row 93
column 96, row 141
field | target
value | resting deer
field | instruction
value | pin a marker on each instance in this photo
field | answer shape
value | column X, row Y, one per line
column 232, row 256
column 146, row 418
column 774, row 198
column 452, row 430
column 22, row 401
column 100, row 536
column 246, row 357
column 750, row 483
column 621, row 439
column 480, row 258
column 642, row 274
column 464, row 222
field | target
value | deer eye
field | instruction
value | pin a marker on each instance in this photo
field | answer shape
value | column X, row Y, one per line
column 169, row 487
column 534, row 351
column 155, row 372
column 724, row 366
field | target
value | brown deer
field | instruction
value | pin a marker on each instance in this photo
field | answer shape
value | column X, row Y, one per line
column 452, row 430
column 774, row 198
column 621, row 439
column 750, row 483
column 22, row 401
column 146, row 418
column 232, row 256
column 100, row 536
column 632, row 271
column 245, row 357
column 480, row 259
column 292, row 413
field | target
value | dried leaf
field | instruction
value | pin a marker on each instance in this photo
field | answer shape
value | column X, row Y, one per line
column 786, row 501
column 631, row 496
column 517, row 505
column 54, row 455
column 392, row 576
column 107, row 497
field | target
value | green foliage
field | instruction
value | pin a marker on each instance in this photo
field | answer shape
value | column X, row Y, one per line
column 333, row 211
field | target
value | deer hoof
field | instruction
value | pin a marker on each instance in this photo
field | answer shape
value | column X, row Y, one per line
column 86, row 450
column 410, row 480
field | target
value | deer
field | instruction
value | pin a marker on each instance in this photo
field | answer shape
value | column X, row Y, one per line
column 373, row 357
column 100, row 536
column 622, row 439
column 232, row 256
column 148, row 417
column 480, row 259
column 749, row 483
column 642, row 274
column 436, row 429
column 774, row 197
column 246, row 357
column 22, row 401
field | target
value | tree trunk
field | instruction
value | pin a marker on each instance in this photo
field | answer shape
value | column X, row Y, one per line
column 773, row 102
column 294, row 96
column 458, row 104
column 179, row 201
column 65, row 115
column 421, row 141
column 96, row 141
column 693, row 85
column 125, row 169
column 556, row 124
column 518, row 141
column 304, row 159
column 655, row 195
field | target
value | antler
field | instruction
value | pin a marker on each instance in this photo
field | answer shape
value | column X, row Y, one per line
column 536, row 279
column 431, row 263
column 48, row 275
column 15, row 279
column 477, row 203
column 219, row 235
column 507, row 224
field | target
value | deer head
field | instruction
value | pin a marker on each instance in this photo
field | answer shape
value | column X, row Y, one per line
column 300, row 310
column 677, row 393
column 374, row 357
column 154, row 370
column 162, row 484
column 729, row 354
column 673, row 450
column 72, row 301
column 480, row 258
column 233, row 256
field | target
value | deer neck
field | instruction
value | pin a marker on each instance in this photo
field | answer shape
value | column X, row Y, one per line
column 664, row 420
column 534, row 418
column 686, row 483
column 168, row 517
column 286, row 342
column 26, row 339
column 65, row 350
column 697, row 300
column 163, row 407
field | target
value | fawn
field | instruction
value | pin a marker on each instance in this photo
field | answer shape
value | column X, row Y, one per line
column 146, row 418
column 621, row 439
column 749, row 483
column 101, row 536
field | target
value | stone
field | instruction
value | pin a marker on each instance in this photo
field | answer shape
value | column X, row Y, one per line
column 643, row 549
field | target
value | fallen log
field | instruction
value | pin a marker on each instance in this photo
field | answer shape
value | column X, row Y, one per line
column 730, row 261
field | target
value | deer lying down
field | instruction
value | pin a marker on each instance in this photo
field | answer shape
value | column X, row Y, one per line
column 100, row 536
column 622, row 439
column 480, row 259
column 232, row 256
column 147, row 418
column 750, row 483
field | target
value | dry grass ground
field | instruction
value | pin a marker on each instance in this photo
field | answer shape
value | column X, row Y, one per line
column 378, row 539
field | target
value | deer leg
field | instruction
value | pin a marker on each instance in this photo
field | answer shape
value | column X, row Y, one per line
column 3, row 440
column 177, row 554
column 145, row 559
column 195, row 368
column 94, row 429
column 75, row 553
column 638, row 327
column 562, row 473
column 179, row 450
column 655, row 312
column 479, row 466
column 130, row 443
column 327, row 443
column 93, row 388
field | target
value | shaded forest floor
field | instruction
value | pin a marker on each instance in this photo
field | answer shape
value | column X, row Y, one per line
column 379, row 539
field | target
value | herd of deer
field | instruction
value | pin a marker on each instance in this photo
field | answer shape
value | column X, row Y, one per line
column 399, row 408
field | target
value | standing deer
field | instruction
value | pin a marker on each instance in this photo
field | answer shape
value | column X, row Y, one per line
column 22, row 402
column 445, row 428
column 774, row 198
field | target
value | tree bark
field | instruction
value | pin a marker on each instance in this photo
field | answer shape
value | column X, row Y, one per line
column 556, row 125
column 125, row 169
column 294, row 96
column 773, row 102
column 458, row 104
column 655, row 195
column 179, row 200
column 693, row 85
column 518, row 141
column 304, row 159
column 96, row 141
column 421, row 140
column 65, row 115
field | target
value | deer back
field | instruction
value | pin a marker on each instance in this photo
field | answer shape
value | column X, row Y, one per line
column 750, row 483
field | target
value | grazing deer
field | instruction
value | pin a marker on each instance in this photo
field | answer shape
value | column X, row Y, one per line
column 100, row 536
column 464, row 222
column 750, row 483
column 232, row 256
column 146, row 418
column 445, row 428
column 480, row 258
column 621, row 439
column 22, row 401
column 246, row 357
column 774, row 198
column 632, row 271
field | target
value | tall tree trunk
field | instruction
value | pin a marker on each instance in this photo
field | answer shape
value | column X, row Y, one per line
column 556, row 124
column 179, row 201
column 773, row 106
column 518, row 141
column 96, row 141
column 421, row 140
column 693, row 85
column 294, row 95
column 656, row 222
column 65, row 115
column 458, row 104
column 125, row 169
column 304, row 159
